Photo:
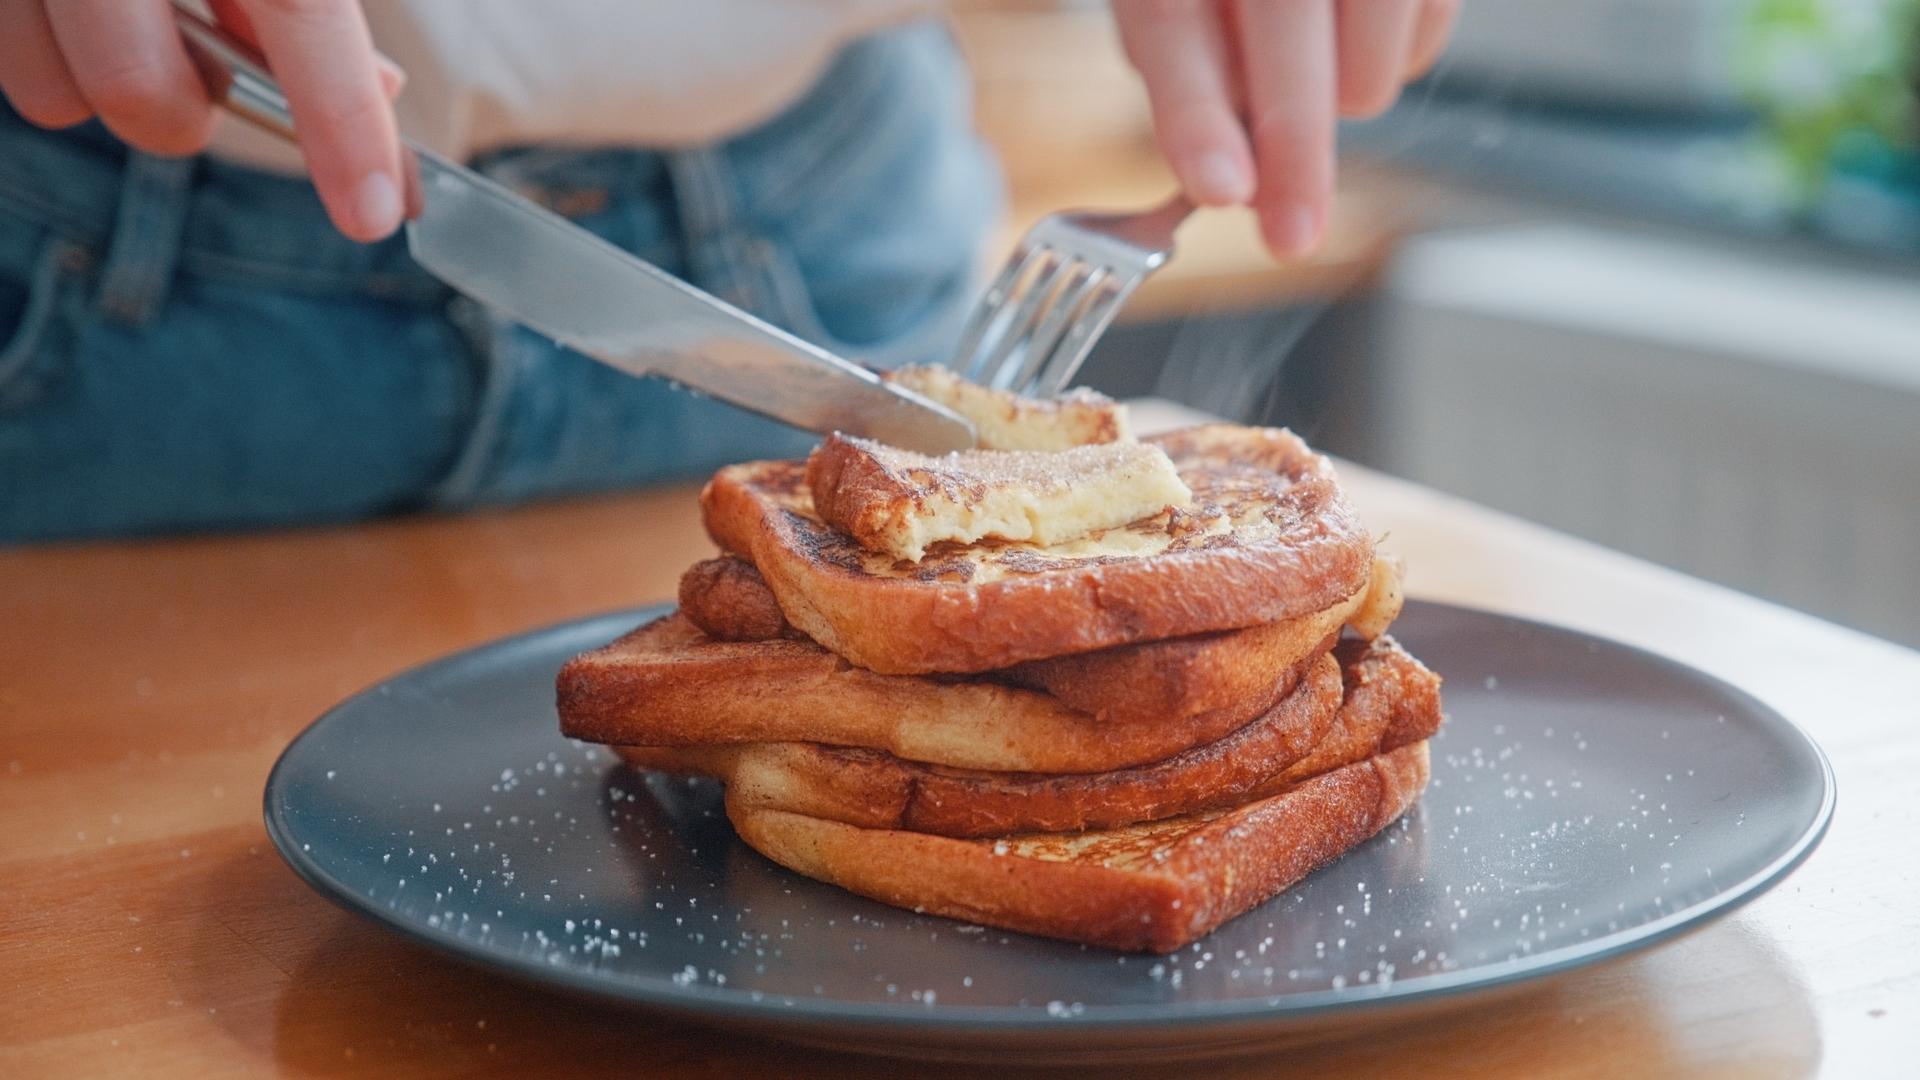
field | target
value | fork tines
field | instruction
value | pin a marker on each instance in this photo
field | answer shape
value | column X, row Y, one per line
column 1038, row 320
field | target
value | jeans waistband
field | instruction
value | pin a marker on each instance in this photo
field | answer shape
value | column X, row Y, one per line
column 147, row 215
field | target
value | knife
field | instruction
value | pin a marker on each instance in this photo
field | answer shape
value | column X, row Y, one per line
column 561, row 280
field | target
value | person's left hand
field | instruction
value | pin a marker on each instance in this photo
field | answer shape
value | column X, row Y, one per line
column 1245, row 92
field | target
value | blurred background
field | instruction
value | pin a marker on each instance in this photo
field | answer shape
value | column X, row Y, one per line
column 1646, row 271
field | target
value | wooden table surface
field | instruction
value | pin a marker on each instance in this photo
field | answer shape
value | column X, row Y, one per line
column 147, row 928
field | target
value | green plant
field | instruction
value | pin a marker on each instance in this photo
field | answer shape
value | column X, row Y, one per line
column 1837, row 83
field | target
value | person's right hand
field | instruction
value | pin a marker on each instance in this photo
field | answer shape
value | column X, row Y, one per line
column 66, row 61
column 1245, row 93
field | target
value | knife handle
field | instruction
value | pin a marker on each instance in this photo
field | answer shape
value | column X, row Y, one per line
column 236, row 76
column 238, row 81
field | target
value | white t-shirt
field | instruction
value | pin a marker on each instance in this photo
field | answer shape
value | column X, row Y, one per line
column 488, row 73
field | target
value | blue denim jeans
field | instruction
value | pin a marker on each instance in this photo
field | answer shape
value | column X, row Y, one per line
column 185, row 344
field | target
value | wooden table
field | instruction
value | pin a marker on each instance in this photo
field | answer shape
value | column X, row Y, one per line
column 147, row 928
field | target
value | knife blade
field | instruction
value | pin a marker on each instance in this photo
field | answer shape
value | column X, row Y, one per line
column 557, row 278
column 563, row 281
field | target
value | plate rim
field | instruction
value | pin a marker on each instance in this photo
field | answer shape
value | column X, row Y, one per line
column 719, row 1005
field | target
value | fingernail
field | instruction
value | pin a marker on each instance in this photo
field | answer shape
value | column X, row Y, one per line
column 1294, row 231
column 377, row 204
column 1220, row 179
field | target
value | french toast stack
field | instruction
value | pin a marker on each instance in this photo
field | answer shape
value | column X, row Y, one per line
column 1083, row 686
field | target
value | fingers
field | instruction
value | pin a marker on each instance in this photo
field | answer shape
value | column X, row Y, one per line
column 123, row 60
column 127, row 61
column 1270, row 77
column 1182, row 54
column 1434, row 26
column 393, row 78
column 1287, row 54
column 1376, row 39
column 322, row 55
column 32, row 74
column 231, row 16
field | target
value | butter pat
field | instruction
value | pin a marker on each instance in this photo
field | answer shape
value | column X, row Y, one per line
column 1006, row 421
column 899, row 503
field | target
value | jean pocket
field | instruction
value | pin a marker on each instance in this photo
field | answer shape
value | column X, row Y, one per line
column 38, row 314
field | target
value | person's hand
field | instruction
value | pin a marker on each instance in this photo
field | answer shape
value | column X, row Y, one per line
column 65, row 61
column 1245, row 92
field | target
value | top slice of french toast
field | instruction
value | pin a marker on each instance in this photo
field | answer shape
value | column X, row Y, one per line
column 1268, row 536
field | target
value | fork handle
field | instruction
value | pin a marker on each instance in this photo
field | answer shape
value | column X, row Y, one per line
column 1168, row 215
column 1151, row 230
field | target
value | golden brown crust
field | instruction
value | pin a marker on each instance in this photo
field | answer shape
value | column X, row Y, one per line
column 1145, row 888
column 875, row 790
column 1137, row 683
column 1389, row 700
column 1292, row 547
column 1125, row 684
column 852, row 489
column 668, row 684
column 726, row 599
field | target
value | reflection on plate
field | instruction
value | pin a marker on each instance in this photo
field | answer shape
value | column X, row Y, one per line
column 1587, row 799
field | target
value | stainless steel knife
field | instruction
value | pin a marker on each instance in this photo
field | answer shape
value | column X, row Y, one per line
column 561, row 280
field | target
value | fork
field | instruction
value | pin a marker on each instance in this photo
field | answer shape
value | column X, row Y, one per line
column 1058, row 292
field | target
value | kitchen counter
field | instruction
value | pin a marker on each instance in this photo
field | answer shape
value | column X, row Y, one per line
column 147, row 927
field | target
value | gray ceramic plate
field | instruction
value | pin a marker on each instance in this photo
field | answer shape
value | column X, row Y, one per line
column 1588, row 799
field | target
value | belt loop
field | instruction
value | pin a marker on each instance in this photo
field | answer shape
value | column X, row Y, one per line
column 154, row 196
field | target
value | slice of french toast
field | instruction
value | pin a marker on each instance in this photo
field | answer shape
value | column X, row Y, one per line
column 1268, row 537
column 1152, row 887
column 1138, row 683
column 669, row 684
column 1388, row 700
column 1003, row 421
column 1375, row 699
column 875, row 790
